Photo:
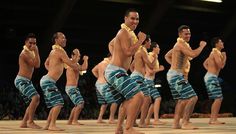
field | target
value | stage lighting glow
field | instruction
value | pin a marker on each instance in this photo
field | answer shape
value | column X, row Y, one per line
column 216, row 1
column 158, row 85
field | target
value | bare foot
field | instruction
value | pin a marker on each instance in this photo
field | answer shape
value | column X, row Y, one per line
column 34, row 126
column 176, row 126
column 46, row 127
column 77, row 123
column 216, row 122
column 119, row 131
column 69, row 123
column 188, row 126
column 55, row 129
column 144, row 126
column 102, row 122
column 23, row 125
column 158, row 122
column 132, row 131
column 147, row 122
column 112, row 122
column 135, row 124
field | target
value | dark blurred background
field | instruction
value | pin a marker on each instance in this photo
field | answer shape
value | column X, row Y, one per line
column 90, row 25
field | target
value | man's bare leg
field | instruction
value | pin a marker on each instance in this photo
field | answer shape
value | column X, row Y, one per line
column 121, row 117
column 138, row 113
column 113, row 109
column 187, row 113
column 149, row 115
column 25, row 118
column 71, row 116
column 77, row 111
column 101, row 113
column 31, row 111
column 215, row 108
column 49, row 119
column 132, row 109
column 52, row 125
column 156, row 110
column 144, row 110
column 178, row 113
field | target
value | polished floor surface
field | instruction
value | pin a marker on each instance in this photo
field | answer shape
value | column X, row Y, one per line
column 91, row 127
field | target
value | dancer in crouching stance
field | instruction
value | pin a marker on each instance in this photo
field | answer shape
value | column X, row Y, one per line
column 55, row 64
column 125, row 45
column 28, row 60
column 180, row 88
column 102, row 89
column 213, row 64
column 72, row 77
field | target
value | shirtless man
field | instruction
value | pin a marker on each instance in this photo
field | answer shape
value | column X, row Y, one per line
column 72, row 76
column 138, row 72
column 28, row 60
column 125, row 45
column 149, row 80
column 180, row 88
column 186, row 69
column 103, row 95
column 55, row 64
column 213, row 64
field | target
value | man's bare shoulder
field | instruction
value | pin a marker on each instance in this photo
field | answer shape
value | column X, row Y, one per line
column 122, row 32
column 215, row 54
column 178, row 46
column 25, row 56
column 58, row 53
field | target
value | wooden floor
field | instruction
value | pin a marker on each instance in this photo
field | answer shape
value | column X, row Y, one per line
column 91, row 127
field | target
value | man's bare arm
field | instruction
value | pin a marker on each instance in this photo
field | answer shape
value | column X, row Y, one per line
column 168, row 56
column 205, row 64
column 192, row 53
column 95, row 71
column 84, row 66
column 128, row 48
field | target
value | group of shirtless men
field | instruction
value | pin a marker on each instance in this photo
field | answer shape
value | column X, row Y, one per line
column 135, row 93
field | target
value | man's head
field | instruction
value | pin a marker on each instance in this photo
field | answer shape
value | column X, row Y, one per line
column 30, row 41
column 74, row 53
column 216, row 42
column 147, row 42
column 131, row 18
column 59, row 38
column 155, row 48
column 184, row 32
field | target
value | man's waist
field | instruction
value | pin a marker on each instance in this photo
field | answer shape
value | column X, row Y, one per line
column 180, row 70
column 28, row 76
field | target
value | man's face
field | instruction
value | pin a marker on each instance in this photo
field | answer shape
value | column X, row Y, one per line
column 76, row 52
column 185, row 34
column 148, row 44
column 61, row 39
column 132, row 20
column 30, row 43
column 157, row 49
column 220, row 44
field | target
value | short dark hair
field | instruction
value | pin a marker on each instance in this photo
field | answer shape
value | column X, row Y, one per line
column 182, row 27
column 129, row 10
column 30, row 35
column 148, row 37
column 214, row 40
column 55, row 36
column 153, row 45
